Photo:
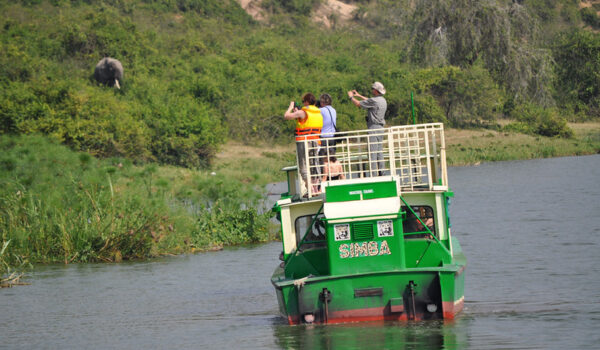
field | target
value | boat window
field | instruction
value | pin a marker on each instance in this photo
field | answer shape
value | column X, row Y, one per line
column 317, row 232
column 412, row 225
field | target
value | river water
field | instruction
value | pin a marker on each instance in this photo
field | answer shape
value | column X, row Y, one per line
column 530, row 230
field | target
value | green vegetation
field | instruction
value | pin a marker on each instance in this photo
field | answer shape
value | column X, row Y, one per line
column 475, row 146
column 59, row 205
column 532, row 119
column 200, row 72
column 590, row 17
column 577, row 54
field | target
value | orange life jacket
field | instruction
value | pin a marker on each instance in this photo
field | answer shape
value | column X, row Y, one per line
column 309, row 127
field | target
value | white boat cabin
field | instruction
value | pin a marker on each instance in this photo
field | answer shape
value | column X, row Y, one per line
column 408, row 161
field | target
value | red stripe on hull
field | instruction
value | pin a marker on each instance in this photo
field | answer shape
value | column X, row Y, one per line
column 379, row 314
column 362, row 315
column 294, row 319
column 357, row 315
column 451, row 308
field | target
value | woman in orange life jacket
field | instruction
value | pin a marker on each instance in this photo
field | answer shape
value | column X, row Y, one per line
column 309, row 122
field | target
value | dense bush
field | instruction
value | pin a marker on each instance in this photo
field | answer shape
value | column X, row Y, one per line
column 544, row 9
column 58, row 205
column 577, row 55
column 590, row 17
column 222, row 226
column 532, row 119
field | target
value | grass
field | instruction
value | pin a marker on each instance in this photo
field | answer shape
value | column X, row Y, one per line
column 254, row 164
column 465, row 147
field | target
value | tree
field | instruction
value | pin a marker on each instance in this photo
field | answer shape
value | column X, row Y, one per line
column 577, row 57
column 468, row 96
column 504, row 38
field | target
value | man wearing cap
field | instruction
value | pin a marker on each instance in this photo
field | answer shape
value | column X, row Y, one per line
column 376, row 107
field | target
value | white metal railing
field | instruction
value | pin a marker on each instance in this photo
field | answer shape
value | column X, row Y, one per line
column 415, row 154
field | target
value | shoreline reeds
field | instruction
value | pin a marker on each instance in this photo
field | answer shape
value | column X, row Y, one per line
column 57, row 205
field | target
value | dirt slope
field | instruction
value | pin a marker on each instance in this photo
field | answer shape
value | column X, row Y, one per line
column 329, row 13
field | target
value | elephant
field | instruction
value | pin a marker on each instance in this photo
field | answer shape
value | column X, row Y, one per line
column 109, row 71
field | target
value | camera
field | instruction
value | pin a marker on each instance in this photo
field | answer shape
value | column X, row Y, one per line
column 297, row 106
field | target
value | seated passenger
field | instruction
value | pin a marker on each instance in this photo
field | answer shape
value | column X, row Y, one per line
column 427, row 217
column 332, row 170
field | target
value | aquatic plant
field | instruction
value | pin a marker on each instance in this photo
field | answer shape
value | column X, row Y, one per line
column 59, row 205
column 11, row 269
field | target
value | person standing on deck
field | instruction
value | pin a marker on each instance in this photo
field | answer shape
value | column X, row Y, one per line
column 309, row 122
column 376, row 107
column 329, row 127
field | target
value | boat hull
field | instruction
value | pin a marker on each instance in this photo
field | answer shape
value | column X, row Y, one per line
column 416, row 294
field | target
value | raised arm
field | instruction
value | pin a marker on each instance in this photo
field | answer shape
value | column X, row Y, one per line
column 353, row 94
column 290, row 114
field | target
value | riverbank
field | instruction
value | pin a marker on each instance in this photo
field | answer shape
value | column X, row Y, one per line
column 57, row 205
column 261, row 163
column 468, row 147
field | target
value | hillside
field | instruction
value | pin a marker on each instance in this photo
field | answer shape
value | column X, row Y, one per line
column 197, row 73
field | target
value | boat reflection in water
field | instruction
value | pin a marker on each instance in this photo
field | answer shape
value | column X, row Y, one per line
column 439, row 334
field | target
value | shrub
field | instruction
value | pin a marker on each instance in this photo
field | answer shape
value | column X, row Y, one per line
column 231, row 227
column 551, row 124
column 590, row 17
column 533, row 119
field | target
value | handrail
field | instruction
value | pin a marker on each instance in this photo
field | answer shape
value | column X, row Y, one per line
column 415, row 154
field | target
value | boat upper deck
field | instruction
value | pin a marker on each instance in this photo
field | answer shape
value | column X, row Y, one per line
column 413, row 154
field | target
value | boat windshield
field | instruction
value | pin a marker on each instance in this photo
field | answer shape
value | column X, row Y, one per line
column 313, row 237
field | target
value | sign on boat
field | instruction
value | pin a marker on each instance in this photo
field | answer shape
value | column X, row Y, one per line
column 370, row 245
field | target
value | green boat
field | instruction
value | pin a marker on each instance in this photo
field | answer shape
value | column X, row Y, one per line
column 370, row 245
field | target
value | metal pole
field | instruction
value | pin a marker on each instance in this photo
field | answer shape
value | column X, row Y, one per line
column 412, row 103
column 411, row 286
